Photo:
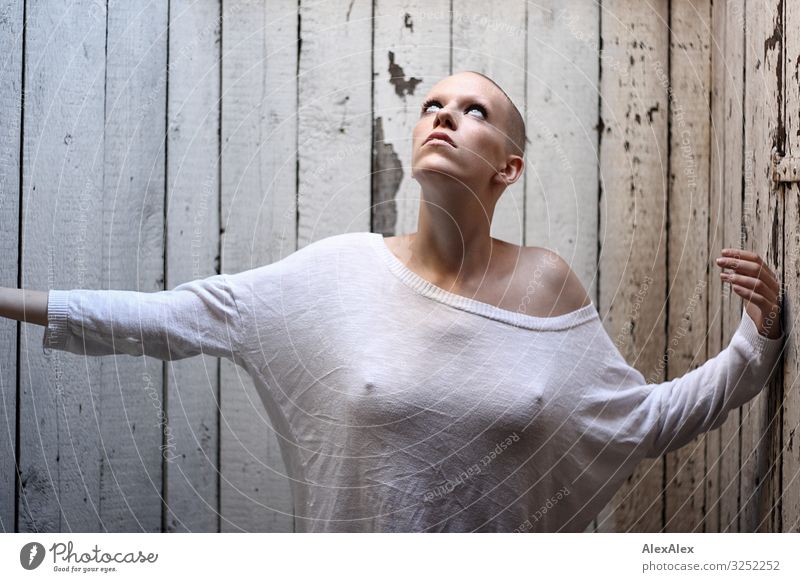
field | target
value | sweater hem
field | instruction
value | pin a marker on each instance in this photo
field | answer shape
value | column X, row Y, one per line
column 56, row 330
column 761, row 345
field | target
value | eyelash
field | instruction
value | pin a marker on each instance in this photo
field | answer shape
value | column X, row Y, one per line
column 430, row 102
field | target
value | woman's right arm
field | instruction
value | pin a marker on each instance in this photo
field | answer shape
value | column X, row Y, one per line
column 197, row 317
column 24, row 305
column 217, row 315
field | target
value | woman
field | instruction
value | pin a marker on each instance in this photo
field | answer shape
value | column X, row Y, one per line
column 443, row 380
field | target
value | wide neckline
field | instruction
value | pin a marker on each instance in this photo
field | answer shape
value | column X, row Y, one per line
column 428, row 289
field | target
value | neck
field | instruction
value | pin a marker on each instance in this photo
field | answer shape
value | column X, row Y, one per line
column 453, row 241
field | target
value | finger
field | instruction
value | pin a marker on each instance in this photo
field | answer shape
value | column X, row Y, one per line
column 742, row 254
column 753, row 283
column 754, row 297
column 754, row 272
column 749, row 256
column 750, row 268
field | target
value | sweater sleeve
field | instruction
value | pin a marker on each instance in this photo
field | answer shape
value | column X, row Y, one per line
column 677, row 411
column 196, row 317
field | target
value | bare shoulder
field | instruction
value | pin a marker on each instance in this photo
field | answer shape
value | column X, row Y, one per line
column 565, row 291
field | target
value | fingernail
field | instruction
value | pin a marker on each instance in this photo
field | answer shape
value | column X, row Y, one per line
column 719, row 260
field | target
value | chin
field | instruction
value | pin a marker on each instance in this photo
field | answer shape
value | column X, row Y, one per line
column 434, row 172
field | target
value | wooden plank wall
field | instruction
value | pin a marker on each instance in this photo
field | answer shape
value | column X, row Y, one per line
column 62, row 195
column 727, row 189
column 147, row 146
column 11, row 47
column 191, row 444
column 258, row 209
column 688, row 242
column 131, row 165
column 762, row 220
column 633, row 234
column 790, row 459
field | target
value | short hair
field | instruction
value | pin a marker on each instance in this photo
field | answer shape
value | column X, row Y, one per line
column 516, row 133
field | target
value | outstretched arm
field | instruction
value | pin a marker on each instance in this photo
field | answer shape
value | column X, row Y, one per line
column 623, row 408
column 700, row 400
column 197, row 317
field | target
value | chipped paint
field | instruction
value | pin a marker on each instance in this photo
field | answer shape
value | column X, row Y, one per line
column 397, row 77
column 387, row 175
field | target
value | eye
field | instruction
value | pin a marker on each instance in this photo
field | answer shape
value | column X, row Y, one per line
column 433, row 102
column 430, row 103
column 478, row 108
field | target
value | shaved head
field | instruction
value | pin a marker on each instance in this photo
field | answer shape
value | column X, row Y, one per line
column 515, row 124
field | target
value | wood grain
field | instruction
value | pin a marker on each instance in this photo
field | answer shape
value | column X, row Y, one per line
column 688, row 256
column 633, row 242
column 258, row 225
column 11, row 87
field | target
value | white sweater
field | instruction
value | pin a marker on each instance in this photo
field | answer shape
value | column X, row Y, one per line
column 403, row 407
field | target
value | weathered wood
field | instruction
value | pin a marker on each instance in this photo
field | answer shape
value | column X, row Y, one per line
column 632, row 259
column 10, row 136
column 688, row 257
column 562, row 187
column 790, row 458
column 763, row 222
column 735, row 176
column 95, row 169
column 717, row 196
column 62, row 197
column 411, row 54
column 335, row 118
column 259, row 145
column 191, row 443
column 490, row 38
column 132, row 258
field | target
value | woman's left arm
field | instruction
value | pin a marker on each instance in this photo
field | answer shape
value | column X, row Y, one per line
column 700, row 400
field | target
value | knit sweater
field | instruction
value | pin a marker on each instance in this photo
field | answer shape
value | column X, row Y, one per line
column 400, row 406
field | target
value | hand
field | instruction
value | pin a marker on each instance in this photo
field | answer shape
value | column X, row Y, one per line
column 755, row 282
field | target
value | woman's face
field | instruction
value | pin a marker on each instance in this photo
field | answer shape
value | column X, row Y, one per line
column 472, row 112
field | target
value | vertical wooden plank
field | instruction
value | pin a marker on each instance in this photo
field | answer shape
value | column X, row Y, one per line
column 191, row 444
column 258, row 189
column 562, row 114
column 132, row 258
column 790, row 458
column 11, row 46
column 335, row 117
column 633, row 162
column 563, row 69
column 763, row 222
column 490, row 38
column 411, row 54
column 716, row 196
column 688, row 257
column 736, row 178
column 62, row 185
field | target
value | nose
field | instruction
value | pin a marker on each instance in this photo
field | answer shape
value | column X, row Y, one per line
column 444, row 117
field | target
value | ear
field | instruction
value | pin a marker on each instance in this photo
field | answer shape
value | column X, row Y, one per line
column 511, row 171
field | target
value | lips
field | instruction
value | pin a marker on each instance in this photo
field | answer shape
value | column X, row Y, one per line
column 441, row 136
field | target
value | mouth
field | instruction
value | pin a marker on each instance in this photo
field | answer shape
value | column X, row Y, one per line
column 439, row 138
